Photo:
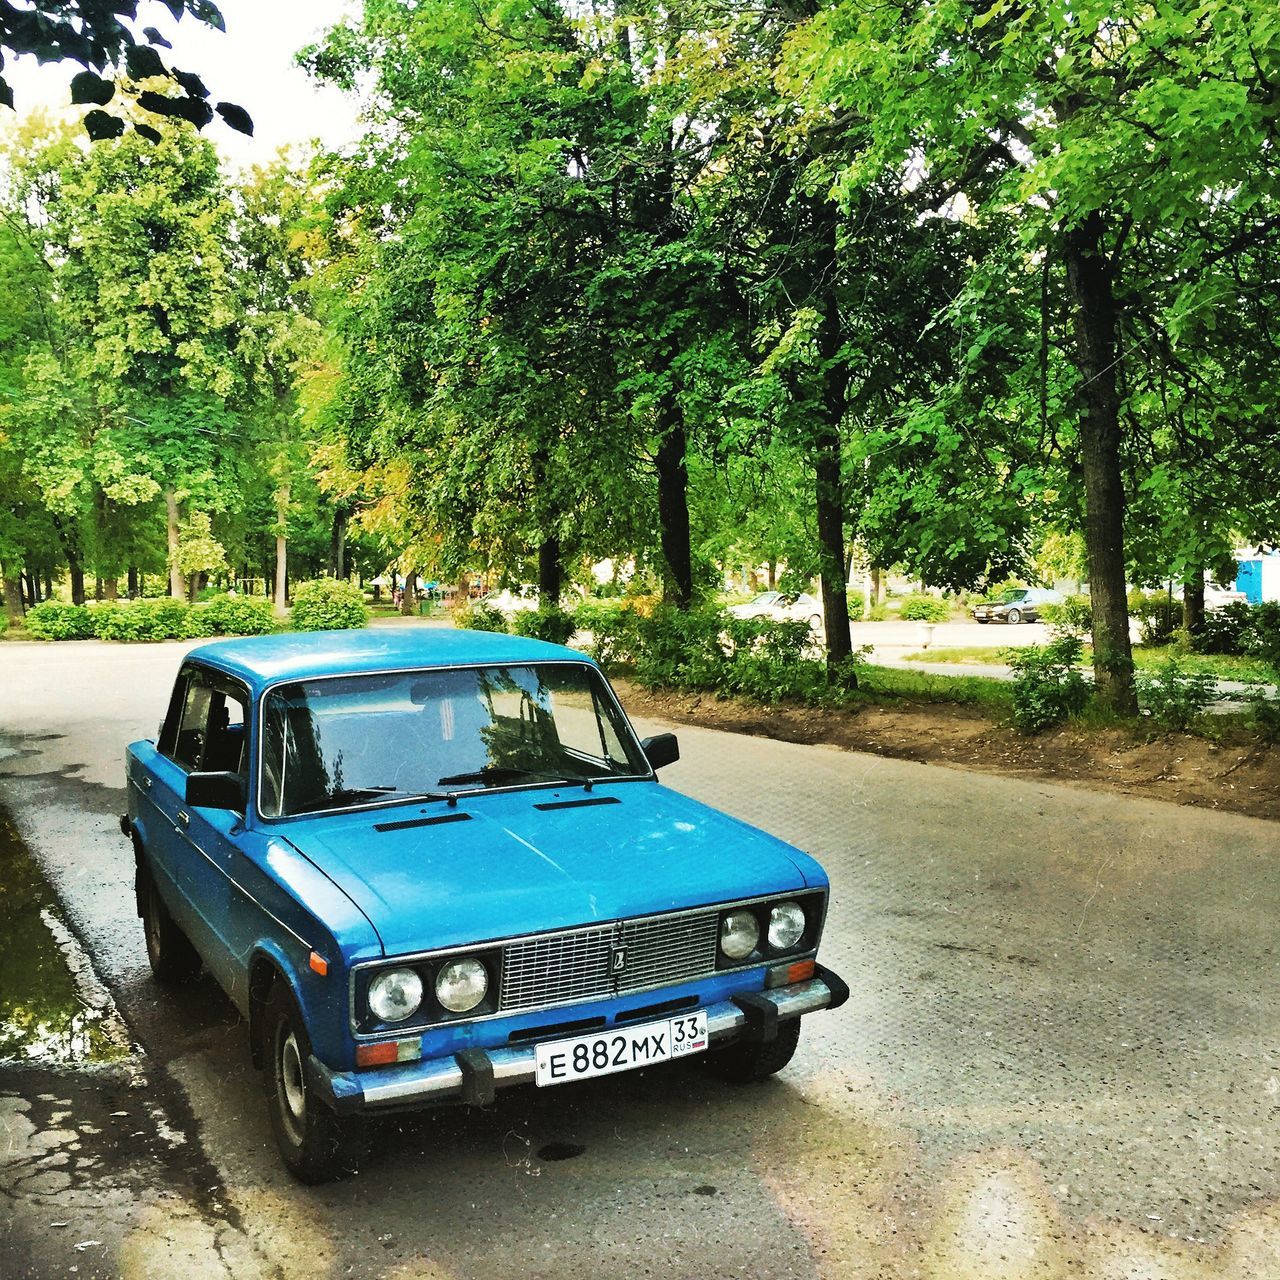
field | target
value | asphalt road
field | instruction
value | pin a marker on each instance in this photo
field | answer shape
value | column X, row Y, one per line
column 1061, row 1057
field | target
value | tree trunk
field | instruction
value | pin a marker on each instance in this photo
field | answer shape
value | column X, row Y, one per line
column 111, row 588
column 177, row 587
column 673, row 504
column 338, row 544
column 282, row 551
column 13, row 599
column 1090, row 281
column 409, row 600
column 133, row 584
column 549, row 574
column 1193, row 601
column 77, row 578
column 829, row 486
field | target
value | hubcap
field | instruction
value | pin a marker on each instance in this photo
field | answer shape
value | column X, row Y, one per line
column 293, row 1089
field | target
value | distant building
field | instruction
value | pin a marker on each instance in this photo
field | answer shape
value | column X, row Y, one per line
column 1258, row 575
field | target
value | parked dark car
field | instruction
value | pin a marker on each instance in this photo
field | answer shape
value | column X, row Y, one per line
column 1018, row 604
column 427, row 865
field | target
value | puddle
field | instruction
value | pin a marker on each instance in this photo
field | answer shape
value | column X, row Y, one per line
column 52, row 1009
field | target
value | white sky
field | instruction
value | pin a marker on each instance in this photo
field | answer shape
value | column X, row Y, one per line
column 251, row 65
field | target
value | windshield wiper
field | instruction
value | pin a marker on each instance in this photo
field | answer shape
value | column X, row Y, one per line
column 490, row 773
column 498, row 774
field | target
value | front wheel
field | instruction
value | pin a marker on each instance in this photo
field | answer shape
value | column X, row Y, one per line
column 1013, row 617
column 315, row 1144
column 172, row 958
column 747, row 1062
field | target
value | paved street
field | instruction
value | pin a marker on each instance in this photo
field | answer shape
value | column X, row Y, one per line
column 1061, row 1057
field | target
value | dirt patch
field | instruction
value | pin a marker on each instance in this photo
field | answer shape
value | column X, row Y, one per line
column 1237, row 775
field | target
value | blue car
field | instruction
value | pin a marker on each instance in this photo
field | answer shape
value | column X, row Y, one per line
column 426, row 865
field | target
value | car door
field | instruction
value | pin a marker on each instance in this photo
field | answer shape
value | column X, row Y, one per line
column 197, row 737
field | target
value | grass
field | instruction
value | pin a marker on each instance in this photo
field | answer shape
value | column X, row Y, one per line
column 894, row 682
column 1145, row 658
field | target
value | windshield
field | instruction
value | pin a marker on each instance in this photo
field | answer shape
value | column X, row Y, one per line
column 348, row 741
column 1011, row 597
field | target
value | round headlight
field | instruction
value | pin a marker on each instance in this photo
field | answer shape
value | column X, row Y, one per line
column 786, row 925
column 739, row 934
column 395, row 995
column 461, row 985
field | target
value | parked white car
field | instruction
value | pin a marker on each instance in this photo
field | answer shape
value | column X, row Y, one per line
column 512, row 599
column 782, row 606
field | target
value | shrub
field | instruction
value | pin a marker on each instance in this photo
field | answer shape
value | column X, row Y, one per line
column 546, row 622
column 1156, row 615
column 229, row 615
column 923, row 608
column 613, row 631
column 1261, row 637
column 1173, row 696
column 1221, row 630
column 478, row 617
column 878, row 613
column 1047, row 687
column 1264, row 713
column 1072, row 617
column 328, row 604
column 54, row 620
column 142, row 620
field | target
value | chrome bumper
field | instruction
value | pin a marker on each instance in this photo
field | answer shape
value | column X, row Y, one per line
column 473, row 1077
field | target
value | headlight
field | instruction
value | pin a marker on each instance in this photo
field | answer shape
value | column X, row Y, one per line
column 739, row 934
column 461, row 985
column 395, row 995
column 786, row 925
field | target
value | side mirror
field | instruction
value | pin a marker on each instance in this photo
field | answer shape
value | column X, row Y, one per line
column 216, row 791
column 661, row 749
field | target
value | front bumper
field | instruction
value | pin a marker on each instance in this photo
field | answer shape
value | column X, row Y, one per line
column 474, row 1076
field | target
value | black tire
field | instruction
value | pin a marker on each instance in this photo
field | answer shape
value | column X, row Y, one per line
column 1013, row 617
column 173, row 959
column 748, row 1063
column 815, row 623
column 315, row 1144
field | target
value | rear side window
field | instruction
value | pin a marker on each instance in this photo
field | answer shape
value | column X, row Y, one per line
column 206, row 726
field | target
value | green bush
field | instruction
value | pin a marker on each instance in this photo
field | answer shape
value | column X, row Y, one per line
column 328, row 604
column 613, row 631
column 1047, row 686
column 1264, row 713
column 143, row 620
column 1261, row 637
column 549, row 623
column 1072, row 617
column 478, row 617
column 237, row 615
column 1173, row 696
column 54, row 620
column 923, row 608
column 1221, row 630
column 1156, row 615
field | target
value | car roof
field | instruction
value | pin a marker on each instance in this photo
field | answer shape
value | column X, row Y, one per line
column 264, row 660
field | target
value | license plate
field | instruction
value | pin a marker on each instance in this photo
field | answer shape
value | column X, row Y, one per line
column 559, row 1061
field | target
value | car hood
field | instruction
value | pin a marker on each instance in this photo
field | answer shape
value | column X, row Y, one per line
column 504, row 864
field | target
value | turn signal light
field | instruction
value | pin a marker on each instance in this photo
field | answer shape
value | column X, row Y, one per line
column 319, row 964
column 388, row 1051
column 784, row 975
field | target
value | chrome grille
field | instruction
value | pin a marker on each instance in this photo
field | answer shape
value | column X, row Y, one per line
column 559, row 968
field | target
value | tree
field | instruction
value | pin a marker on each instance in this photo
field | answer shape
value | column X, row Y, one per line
column 94, row 33
column 1099, row 127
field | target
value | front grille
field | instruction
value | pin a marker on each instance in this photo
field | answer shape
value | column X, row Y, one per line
column 559, row 968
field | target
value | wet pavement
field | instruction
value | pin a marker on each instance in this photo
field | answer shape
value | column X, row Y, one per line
column 1061, row 1057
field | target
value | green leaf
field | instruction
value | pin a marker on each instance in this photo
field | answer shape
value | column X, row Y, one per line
column 143, row 62
column 87, row 87
column 236, row 118
column 100, row 126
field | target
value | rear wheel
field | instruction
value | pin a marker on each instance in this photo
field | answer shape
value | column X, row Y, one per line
column 1013, row 617
column 315, row 1144
column 747, row 1062
column 172, row 958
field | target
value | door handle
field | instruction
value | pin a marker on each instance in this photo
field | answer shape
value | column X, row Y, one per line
column 183, row 817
